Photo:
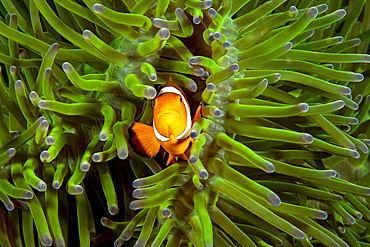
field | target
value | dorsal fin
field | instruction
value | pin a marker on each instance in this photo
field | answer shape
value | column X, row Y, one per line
column 170, row 83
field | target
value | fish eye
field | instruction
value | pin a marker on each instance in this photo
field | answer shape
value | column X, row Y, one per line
column 180, row 99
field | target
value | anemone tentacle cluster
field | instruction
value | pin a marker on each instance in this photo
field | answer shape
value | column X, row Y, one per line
column 280, row 155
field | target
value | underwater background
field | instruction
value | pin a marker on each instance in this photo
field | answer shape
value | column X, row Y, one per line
column 281, row 153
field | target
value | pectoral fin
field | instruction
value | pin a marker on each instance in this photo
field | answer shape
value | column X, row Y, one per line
column 198, row 114
column 143, row 140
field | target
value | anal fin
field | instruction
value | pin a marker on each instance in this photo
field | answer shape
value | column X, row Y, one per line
column 183, row 156
column 171, row 159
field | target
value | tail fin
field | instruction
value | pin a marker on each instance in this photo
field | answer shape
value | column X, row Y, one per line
column 143, row 140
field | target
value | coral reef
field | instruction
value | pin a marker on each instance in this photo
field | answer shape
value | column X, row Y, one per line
column 280, row 155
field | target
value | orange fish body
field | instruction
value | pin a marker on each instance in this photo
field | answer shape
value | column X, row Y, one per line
column 171, row 125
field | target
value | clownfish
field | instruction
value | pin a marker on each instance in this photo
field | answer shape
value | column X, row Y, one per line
column 171, row 125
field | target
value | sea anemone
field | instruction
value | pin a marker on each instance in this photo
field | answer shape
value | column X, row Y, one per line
column 280, row 154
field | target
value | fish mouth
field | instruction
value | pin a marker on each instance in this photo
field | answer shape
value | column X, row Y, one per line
column 170, row 114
